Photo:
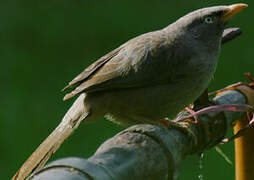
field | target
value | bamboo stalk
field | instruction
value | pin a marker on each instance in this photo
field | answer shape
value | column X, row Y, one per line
column 244, row 156
column 244, row 146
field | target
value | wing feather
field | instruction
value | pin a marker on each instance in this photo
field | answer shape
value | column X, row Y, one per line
column 92, row 69
column 137, row 63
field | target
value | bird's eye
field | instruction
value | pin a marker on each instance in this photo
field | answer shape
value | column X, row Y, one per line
column 209, row 20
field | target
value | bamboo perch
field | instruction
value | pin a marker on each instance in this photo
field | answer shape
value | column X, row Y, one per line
column 230, row 34
column 244, row 146
column 150, row 152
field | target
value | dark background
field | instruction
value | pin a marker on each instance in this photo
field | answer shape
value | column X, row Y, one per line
column 45, row 43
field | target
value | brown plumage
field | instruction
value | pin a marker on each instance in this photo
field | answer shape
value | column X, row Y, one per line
column 148, row 78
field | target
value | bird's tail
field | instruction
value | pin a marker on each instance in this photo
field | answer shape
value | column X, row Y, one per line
column 40, row 156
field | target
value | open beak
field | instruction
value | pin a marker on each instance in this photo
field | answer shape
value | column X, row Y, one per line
column 232, row 10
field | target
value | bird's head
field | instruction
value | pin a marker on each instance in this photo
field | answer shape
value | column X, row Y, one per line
column 207, row 24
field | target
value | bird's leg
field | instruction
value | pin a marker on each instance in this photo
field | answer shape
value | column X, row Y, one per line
column 167, row 122
column 218, row 108
column 241, row 86
column 181, row 126
column 202, row 101
column 192, row 112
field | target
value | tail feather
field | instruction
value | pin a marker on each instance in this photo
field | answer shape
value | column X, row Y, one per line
column 40, row 156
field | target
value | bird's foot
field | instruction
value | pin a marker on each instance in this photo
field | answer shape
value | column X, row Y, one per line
column 181, row 126
column 245, row 89
column 168, row 123
column 218, row 108
column 191, row 112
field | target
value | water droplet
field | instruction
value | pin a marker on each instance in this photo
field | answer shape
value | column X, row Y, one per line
column 200, row 177
column 200, row 174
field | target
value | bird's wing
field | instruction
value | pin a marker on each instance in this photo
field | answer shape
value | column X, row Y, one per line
column 92, row 69
column 142, row 61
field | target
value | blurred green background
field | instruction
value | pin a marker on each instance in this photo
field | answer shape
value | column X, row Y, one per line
column 44, row 44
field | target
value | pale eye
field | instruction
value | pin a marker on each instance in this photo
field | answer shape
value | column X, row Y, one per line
column 209, row 20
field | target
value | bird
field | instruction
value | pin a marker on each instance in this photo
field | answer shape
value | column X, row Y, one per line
column 150, row 77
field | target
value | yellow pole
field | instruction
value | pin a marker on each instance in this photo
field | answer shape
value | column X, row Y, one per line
column 244, row 145
column 244, row 152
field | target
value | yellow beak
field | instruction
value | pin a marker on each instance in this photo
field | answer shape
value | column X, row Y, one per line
column 232, row 10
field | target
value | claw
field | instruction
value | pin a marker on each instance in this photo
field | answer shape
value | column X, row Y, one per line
column 219, row 108
column 164, row 122
column 192, row 112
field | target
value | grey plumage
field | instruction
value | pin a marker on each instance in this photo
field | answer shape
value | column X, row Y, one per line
column 156, row 74
column 148, row 78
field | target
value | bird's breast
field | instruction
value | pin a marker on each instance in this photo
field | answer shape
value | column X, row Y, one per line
column 189, row 78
